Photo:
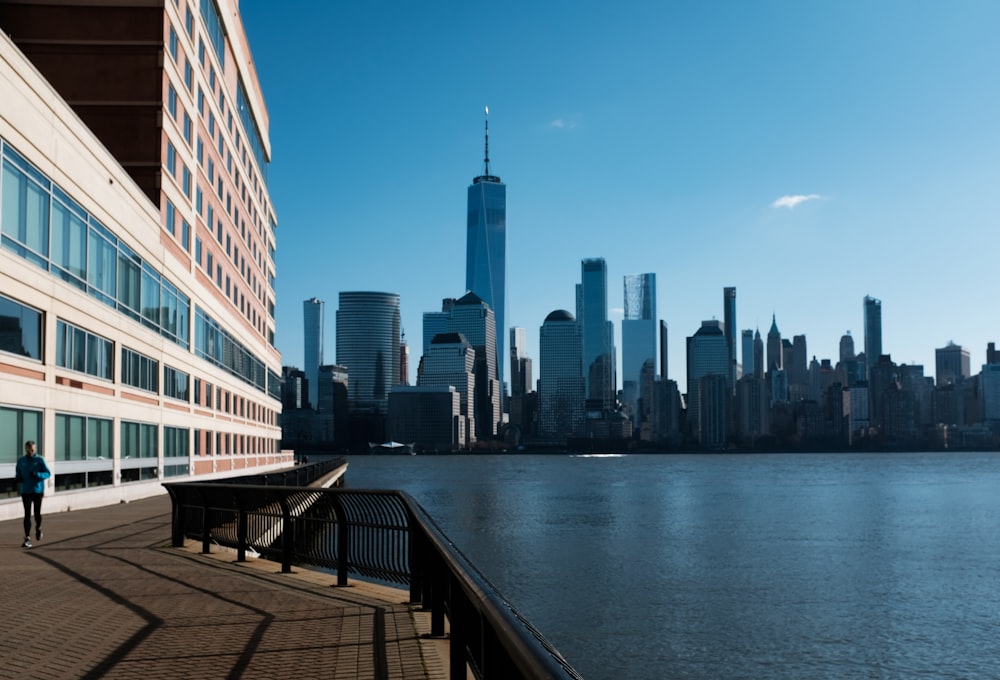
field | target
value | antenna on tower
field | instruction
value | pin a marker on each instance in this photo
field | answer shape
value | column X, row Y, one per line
column 486, row 159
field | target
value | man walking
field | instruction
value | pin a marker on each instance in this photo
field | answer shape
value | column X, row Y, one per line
column 30, row 476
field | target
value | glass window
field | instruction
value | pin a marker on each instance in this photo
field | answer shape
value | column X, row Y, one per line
column 16, row 427
column 171, row 217
column 216, row 33
column 175, row 442
column 172, row 101
column 129, row 276
column 80, row 350
column 150, row 296
column 187, row 128
column 25, row 216
column 189, row 21
column 175, row 383
column 188, row 75
column 171, row 160
column 140, row 371
column 172, row 43
column 201, row 52
column 138, row 440
column 186, row 184
column 102, row 273
column 20, row 329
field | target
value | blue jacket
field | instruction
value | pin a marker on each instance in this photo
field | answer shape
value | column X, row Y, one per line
column 31, row 473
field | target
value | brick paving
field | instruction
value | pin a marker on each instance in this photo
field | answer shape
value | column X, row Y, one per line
column 103, row 595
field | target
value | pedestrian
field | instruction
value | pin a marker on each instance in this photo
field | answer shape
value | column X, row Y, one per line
column 30, row 478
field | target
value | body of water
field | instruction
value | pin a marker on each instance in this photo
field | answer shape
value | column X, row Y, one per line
column 732, row 566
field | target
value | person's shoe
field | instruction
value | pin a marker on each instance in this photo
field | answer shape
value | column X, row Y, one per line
column 27, row 543
column 38, row 534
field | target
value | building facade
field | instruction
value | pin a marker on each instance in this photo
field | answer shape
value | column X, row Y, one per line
column 639, row 347
column 873, row 333
column 598, row 336
column 561, row 388
column 450, row 361
column 312, row 321
column 474, row 319
column 729, row 326
column 368, row 338
column 137, row 259
column 707, row 354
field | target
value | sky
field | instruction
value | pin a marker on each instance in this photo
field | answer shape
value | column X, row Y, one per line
column 807, row 153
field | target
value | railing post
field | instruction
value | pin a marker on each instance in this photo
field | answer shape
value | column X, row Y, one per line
column 343, row 540
column 206, row 527
column 287, row 536
column 176, row 521
column 457, row 661
column 415, row 558
column 241, row 528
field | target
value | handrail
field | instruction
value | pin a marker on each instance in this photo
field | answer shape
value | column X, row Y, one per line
column 377, row 534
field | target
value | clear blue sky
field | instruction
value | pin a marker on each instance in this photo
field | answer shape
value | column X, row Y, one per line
column 661, row 136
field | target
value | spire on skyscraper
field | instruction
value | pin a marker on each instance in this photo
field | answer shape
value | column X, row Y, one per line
column 486, row 176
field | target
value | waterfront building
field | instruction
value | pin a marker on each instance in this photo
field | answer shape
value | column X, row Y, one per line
column 427, row 417
column 312, row 317
column 561, row 387
column 368, row 336
column 474, row 319
column 450, row 361
column 746, row 342
column 486, row 246
column 294, row 387
column 951, row 364
column 331, row 407
column 729, row 327
column 136, row 284
column 707, row 354
column 598, row 337
column 638, row 337
column 873, row 333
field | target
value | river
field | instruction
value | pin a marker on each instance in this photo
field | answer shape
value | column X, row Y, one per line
column 732, row 566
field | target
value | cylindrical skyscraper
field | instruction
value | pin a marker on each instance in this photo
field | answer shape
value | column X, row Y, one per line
column 368, row 338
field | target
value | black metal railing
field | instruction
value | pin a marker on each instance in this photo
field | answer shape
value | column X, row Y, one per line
column 300, row 475
column 384, row 535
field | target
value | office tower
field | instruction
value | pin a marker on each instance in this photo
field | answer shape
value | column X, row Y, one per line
column 293, row 389
column 474, row 319
column 486, row 245
column 598, row 336
column 990, row 379
column 520, row 384
column 404, row 361
column 561, row 387
column 368, row 334
column 664, row 360
column 436, row 322
column 846, row 347
column 729, row 327
column 992, row 355
column 752, row 409
column 758, row 354
column 121, row 336
column 883, row 375
column 707, row 354
column 796, row 364
column 951, row 364
column 638, row 336
column 427, row 418
column 331, row 409
column 873, row 333
column 774, row 348
column 451, row 361
column 312, row 317
column 746, row 340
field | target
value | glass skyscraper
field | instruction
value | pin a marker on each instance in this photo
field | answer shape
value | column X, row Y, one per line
column 486, row 246
column 598, row 335
column 312, row 317
column 638, row 334
column 560, row 385
column 873, row 333
column 368, row 333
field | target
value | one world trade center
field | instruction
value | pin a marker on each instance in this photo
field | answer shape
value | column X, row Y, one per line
column 486, row 245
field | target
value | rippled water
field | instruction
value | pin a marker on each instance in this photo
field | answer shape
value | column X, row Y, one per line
column 732, row 566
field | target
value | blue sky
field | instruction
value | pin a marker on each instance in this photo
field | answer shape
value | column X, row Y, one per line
column 808, row 153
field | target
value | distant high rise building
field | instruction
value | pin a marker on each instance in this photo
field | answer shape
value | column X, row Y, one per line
column 707, row 354
column 451, row 361
column 520, row 363
column 952, row 364
column 404, row 361
column 561, row 383
column 312, row 316
column 638, row 335
column 992, row 355
column 774, row 353
column 368, row 335
column 664, row 362
column 846, row 347
column 990, row 379
column 797, row 362
column 293, row 388
column 486, row 245
column 474, row 319
column 758, row 355
column 435, row 323
column 598, row 335
column 729, row 326
column 746, row 340
column 873, row 334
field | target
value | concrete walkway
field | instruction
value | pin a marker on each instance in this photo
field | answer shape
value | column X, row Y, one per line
column 103, row 595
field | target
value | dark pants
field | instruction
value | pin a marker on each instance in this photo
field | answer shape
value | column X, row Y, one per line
column 32, row 499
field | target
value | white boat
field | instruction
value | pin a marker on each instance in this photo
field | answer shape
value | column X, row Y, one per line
column 391, row 447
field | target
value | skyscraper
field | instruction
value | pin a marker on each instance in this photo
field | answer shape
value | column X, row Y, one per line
column 746, row 340
column 707, row 354
column 664, row 362
column 729, row 326
column 474, row 319
column 638, row 335
column 873, row 333
column 486, row 245
column 312, row 317
column 561, row 383
column 774, row 353
column 368, row 335
column 952, row 364
column 598, row 335
column 758, row 355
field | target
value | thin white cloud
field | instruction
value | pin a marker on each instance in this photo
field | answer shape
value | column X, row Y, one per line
column 563, row 124
column 791, row 201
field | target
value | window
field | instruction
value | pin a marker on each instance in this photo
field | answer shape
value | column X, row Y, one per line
column 172, row 43
column 22, row 329
column 140, row 371
column 189, row 21
column 198, row 199
column 80, row 350
column 187, row 128
column 175, row 383
column 171, row 217
column 138, row 440
column 175, row 442
column 82, row 438
column 216, row 34
column 102, row 263
column 171, row 160
column 172, row 101
column 201, row 102
column 188, row 75
column 197, row 250
column 208, row 262
column 25, row 216
column 201, row 52
column 186, row 181
column 200, row 151
column 16, row 427
column 186, row 235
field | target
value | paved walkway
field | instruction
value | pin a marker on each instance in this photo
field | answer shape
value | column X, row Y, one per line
column 103, row 595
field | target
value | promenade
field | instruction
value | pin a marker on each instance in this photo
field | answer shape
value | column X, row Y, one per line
column 103, row 595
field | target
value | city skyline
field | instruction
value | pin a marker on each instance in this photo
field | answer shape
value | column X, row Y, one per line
column 824, row 149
